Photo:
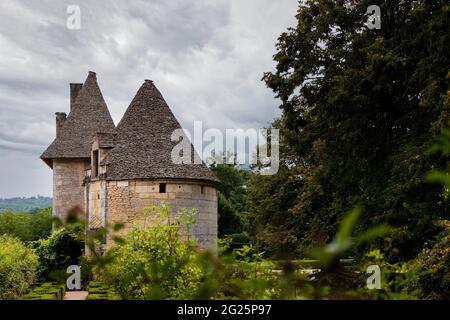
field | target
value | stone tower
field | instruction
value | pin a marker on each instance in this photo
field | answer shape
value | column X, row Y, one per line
column 69, row 155
column 117, row 172
column 132, row 169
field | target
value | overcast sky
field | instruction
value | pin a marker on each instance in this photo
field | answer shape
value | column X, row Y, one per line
column 207, row 58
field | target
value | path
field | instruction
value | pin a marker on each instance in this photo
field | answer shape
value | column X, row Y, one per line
column 75, row 295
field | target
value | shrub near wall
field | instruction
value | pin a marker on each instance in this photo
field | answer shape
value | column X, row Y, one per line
column 434, row 282
column 154, row 262
column 62, row 249
column 18, row 264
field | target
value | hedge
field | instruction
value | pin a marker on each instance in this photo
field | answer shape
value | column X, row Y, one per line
column 47, row 291
column 100, row 291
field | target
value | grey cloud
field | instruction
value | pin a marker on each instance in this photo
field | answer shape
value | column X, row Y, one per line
column 206, row 57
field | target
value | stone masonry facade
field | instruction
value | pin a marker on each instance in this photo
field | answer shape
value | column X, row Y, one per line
column 68, row 190
column 124, row 202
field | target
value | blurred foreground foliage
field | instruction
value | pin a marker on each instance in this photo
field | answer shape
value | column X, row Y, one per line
column 360, row 110
column 158, row 259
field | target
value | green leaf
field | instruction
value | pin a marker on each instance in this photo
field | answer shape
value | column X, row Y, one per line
column 439, row 177
column 348, row 224
column 372, row 233
column 118, row 226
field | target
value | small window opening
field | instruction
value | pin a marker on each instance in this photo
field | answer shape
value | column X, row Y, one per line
column 162, row 188
column 95, row 164
column 202, row 189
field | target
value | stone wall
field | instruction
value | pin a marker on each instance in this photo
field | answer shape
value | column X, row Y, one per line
column 68, row 189
column 95, row 218
column 126, row 201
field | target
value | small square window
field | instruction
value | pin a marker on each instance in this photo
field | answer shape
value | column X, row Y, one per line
column 162, row 188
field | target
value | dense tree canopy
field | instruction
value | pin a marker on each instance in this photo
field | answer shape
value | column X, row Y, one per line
column 27, row 226
column 233, row 198
column 32, row 204
column 361, row 109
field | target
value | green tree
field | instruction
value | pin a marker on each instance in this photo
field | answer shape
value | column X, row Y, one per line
column 32, row 204
column 233, row 198
column 271, row 200
column 27, row 226
column 360, row 110
column 16, row 224
column 41, row 224
column 434, row 259
column 229, row 220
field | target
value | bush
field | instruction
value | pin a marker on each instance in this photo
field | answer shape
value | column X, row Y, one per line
column 86, row 271
column 41, row 296
column 100, row 291
column 434, row 282
column 47, row 291
column 161, row 262
column 229, row 221
column 238, row 240
column 62, row 249
column 18, row 265
column 154, row 263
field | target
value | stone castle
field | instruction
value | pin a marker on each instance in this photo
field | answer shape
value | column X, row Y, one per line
column 114, row 172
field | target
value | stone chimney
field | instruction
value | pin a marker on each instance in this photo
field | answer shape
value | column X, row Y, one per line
column 74, row 90
column 60, row 119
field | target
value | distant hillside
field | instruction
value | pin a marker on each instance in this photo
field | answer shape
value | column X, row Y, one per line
column 25, row 204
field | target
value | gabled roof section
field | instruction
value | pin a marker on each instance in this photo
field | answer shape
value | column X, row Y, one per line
column 88, row 116
column 143, row 144
column 106, row 140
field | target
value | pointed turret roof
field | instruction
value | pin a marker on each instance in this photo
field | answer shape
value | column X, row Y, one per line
column 143, row 143
column 88, row 116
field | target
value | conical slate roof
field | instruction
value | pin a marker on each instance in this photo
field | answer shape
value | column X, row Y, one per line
column 143, row 143
column 88, row 116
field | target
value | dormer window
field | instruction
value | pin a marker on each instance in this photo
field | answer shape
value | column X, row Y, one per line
column 95, row 163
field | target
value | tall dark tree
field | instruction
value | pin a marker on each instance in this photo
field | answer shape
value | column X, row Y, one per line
column 233, row 198
column 273, row 225
column 361, row 108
